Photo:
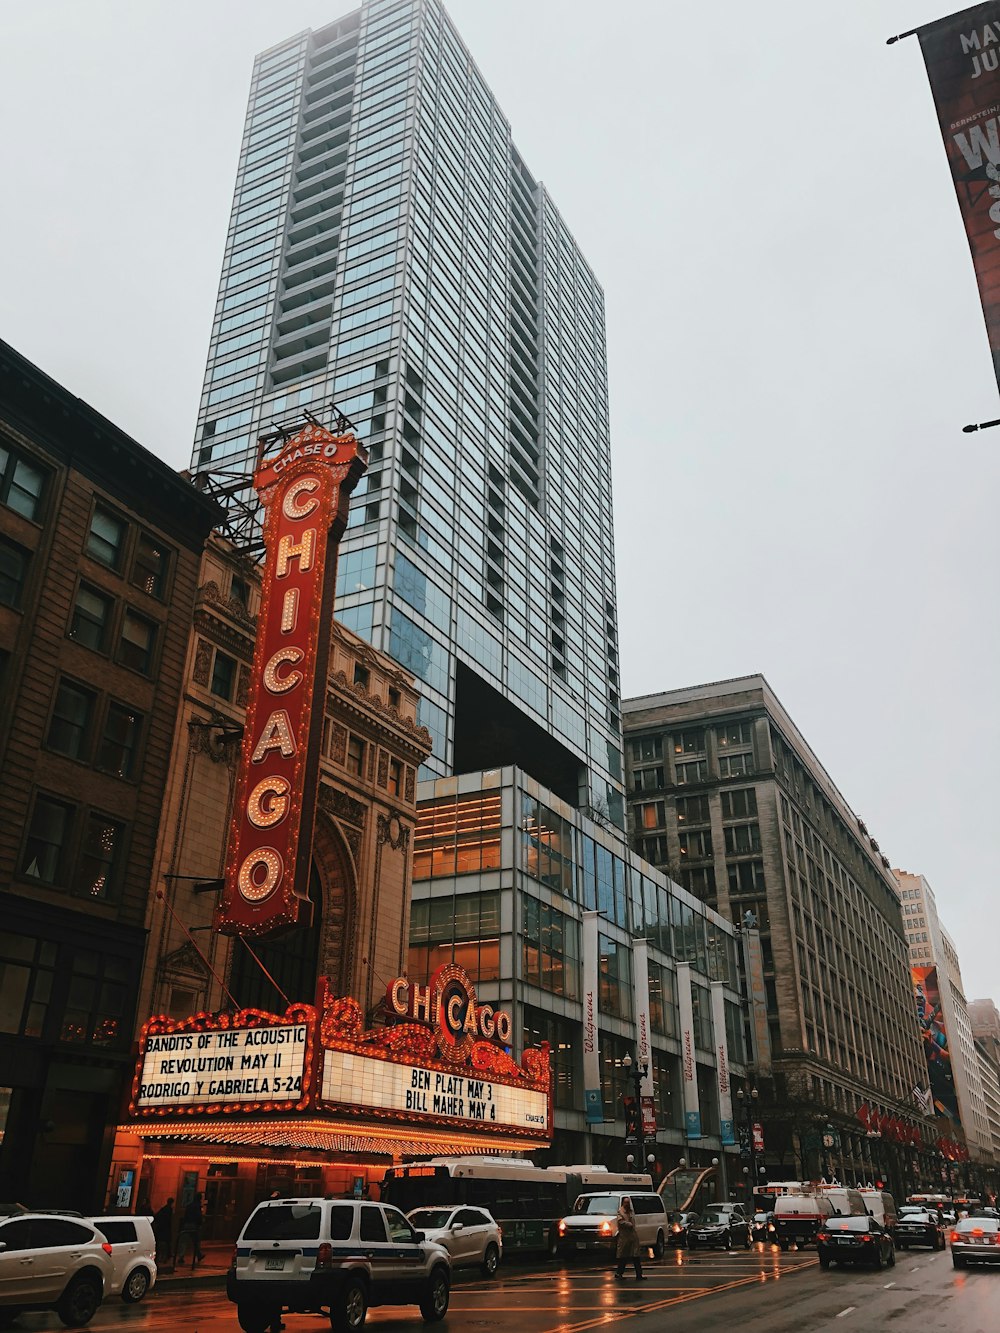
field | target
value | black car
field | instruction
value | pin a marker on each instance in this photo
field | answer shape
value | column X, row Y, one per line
column 718, row 1227
column 920, row 1229
column 854, row 1240
column 680, row 1223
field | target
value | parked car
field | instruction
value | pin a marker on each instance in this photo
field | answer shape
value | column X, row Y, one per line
column 975, row 1240
column 133, row 1255
column 592, row 1225
column 472, row 1236
column 680, row 1222
column 334, row 1257
column 763, row 1226
column 856, row 1239
column 720, row 1225
column 920, row 1227
column 799, row 1217
column 51, row 1262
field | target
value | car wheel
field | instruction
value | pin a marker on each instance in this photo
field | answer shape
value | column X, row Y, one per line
column 939, row 1242
column 252, row 1319
column 136, row 1285
column 434, row 1306
column 880, row 1258
column 348, row 1311
column 824, row 1262
column 8, row 1316
column 491, row 1260
column 660, row 1247
column 79, row 1302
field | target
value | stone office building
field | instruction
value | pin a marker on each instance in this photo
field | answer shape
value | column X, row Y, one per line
column 726, row 794
column 100, row 545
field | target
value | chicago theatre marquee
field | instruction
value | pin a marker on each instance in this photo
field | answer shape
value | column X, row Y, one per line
column 277, row 1055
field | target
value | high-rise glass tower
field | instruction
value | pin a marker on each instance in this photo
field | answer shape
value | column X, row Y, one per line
column 390, row 251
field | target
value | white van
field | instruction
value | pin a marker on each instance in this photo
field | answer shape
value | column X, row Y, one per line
column 799, row 1217
column 592, row 1224
column 881, row 1206
column 847, row 1202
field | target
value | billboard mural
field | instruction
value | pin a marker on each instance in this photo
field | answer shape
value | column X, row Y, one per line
column 962, row 56
column 935, row 1039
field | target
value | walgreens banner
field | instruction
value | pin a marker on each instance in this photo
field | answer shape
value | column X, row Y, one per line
column 962, row 55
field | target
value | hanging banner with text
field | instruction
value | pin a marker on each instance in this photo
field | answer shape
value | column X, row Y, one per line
column 237, row 1065
column 962, row 56
column 726, row 1134
column 593, row 1103
column 643, row 1045
column 689, row 1068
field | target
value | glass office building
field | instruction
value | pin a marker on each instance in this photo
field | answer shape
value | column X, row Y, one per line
column 390, row 251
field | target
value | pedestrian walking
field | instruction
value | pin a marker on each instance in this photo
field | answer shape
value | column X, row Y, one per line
column 163, row 1231
column 190, row 1233
column 627, row 1247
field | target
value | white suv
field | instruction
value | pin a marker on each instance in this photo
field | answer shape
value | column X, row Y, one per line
column 52, row 1262
column 335, row 1257
column 470, row 1235
column 593, row 1225
column 133, row 1254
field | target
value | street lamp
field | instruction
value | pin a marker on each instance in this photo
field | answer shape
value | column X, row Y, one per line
column 681, row 1164
column 635, row 1071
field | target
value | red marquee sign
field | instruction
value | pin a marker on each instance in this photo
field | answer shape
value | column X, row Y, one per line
column 305, row 492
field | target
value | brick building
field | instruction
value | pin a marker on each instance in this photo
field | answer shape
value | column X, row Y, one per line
column 100, row 545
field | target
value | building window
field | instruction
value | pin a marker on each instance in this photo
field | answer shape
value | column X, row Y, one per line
column 547, row 847
column 663, row 1014
column 735, row 733
column 48, row 832
column 22, row 484
column 696, row 844
column 690, row 742
column 91, row 618
column 742, row 838
column 106, row 539
column 561, row 1034
column 736, row 765
column 120, row 741
column 137, row 642
column 692, row 810
column 72, row 714
column 223, row 675
column 362, row 675
column 694, row 771
column 100, row 856
column 746, row 877
column 463, row 930
column 395, row 698
column 395, row 777
column 645, row 748
column 13, row 573
column 739, row 804
column 239, row 591
column 95, row 1010
column 550, row 956
column 650, row 814
column 27, row 967
column 653, row 850
column 615, row 979
column 647, row 779
column 699, row 881
column 149, row 565
column 458, row 836
column 355, row 755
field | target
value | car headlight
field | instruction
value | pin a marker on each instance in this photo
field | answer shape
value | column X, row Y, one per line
column 562, row 1228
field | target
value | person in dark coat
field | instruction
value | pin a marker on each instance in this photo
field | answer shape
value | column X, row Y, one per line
column 190, row 1233
column 627, row 1247
column 163, row 1231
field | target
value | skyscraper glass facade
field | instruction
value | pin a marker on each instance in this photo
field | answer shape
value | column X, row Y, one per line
column 389, row 251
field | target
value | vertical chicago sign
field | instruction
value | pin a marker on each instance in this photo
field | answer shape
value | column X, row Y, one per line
column 305, row 492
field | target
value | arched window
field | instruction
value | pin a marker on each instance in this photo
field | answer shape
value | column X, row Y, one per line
column 291, row 960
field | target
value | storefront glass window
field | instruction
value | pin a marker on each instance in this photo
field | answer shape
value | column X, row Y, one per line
column 457, row 836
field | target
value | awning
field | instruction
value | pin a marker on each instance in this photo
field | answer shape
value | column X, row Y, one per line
column 317, row 1136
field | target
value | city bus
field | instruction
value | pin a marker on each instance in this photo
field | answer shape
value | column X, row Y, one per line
column 526, row 1200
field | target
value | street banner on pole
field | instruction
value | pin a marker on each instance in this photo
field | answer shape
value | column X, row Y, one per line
column 962, row 56
column 593, row 1102
column 689, row 1068
column 643, row 1045
column 726, row 1134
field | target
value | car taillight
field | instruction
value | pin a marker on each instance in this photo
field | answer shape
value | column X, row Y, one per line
column 562, row 1228
column 232, row 1262
column 106, row 1248
column 606, row 1229
column 977, row 1231
column 324, row 1255
column 953, row 1237
column 824, row 1236
column 867, row 1240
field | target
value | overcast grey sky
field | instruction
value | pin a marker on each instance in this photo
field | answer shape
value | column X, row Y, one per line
column 793, row 323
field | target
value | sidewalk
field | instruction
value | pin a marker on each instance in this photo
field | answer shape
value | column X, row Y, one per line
column 212, row 1269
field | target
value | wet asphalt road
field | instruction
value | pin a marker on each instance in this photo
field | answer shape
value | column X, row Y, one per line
column 760, row 1292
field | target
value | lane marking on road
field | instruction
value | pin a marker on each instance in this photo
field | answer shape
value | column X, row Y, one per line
column 887, row 1285
column 850, row 1310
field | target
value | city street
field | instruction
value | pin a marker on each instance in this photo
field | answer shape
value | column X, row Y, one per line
column 779, row 1293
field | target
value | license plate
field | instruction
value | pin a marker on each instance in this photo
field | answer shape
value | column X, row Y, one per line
column 581, row 1244
column 274, row 1261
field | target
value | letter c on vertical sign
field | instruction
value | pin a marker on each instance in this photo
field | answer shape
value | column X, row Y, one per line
column 276, row 684
column 290, row 506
